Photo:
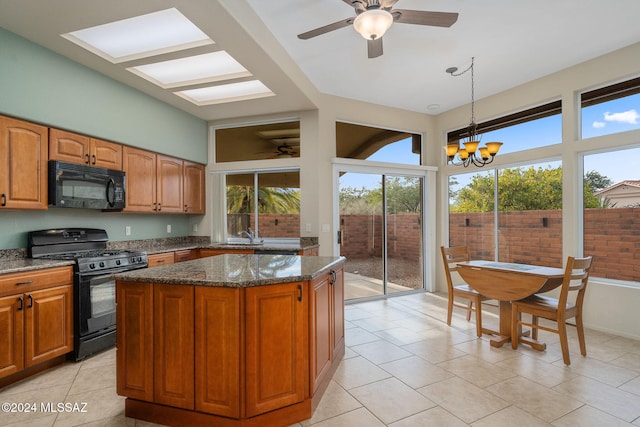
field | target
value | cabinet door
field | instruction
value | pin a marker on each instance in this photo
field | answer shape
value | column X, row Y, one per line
column 105, row 154
column 218, row 351
column 321, row 301
column 134, row 340
column 194, row 188
column 11, row 331
column 169, row 184
column 173, row 352
column 140, row 167
column 276, row 346
column 48, row 324
column 68, row 147
column 23, row 164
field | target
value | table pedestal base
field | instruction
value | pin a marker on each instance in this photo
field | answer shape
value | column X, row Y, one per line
column 505, row 331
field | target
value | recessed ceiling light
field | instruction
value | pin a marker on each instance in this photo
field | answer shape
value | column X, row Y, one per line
column 209, row 67
column 141, row 36
column 231, row 92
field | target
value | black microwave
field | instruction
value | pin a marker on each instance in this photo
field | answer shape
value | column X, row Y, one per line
column 86, row 187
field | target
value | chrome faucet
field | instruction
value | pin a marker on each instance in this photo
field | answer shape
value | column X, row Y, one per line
column 250, row 235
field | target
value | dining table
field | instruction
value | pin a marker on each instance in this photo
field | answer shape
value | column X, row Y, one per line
column 506, row 282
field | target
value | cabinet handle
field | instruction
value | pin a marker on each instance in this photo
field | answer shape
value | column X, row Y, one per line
column 21, row 301
column 155, row 206
column 93, row 157
column 299, row 292
column 30, row 301
column 87, row 156
column 160, row 261
column 27, row 282
column 332, row 273
column 159, row 206
column 186, row 208
column 4, row 200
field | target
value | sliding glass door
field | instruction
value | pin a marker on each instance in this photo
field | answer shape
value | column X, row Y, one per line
column 380, row 232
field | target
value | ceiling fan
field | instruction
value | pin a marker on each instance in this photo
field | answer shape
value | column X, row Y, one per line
column 374, row 17
column 287, row 142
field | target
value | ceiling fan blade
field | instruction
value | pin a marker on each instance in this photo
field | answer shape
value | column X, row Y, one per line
column 374, row 48
column 327, row 28
column 420, row 17
column 357, row 4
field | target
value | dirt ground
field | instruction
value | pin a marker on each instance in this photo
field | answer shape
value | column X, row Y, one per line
column 400, row 271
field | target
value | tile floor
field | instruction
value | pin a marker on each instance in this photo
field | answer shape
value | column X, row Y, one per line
column 404, row 367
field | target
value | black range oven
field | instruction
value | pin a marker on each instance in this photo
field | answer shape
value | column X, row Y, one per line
column 94, row 286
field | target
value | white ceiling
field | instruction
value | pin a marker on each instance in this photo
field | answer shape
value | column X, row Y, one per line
column 513, row 42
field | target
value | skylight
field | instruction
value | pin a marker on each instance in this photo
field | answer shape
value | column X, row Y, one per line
column 209, row 67
column 241, row 91
column 141, row 36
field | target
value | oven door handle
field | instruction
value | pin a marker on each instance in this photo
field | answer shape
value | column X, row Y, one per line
column 108, row 273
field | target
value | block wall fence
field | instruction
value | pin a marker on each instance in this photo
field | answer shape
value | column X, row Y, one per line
column 612, row 236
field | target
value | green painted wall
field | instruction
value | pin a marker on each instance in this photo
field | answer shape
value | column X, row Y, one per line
column 39, row 85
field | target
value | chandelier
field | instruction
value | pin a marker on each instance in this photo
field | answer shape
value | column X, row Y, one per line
column 470, row 153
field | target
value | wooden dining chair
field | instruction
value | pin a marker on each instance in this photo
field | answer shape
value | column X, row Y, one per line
column 450, row 257
column 560, row 309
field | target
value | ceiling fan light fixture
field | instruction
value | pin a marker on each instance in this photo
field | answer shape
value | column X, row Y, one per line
column 373, row 23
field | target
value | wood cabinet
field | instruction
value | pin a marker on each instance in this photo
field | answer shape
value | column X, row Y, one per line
column 36, row 315
column 203, row 253
column 218, row 351
column 194, row 188
column 276, row 356
column 173, row 355
column 74, row 148
column 185, row 255
column 157, row 183
column 156, row 260
column 23, row 164
column 326, row 307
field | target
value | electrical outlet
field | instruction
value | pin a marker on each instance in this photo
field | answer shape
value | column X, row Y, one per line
column 308, row 228
column 168, row 228
column 195, row 228
column 127, row 230
column 325, row 228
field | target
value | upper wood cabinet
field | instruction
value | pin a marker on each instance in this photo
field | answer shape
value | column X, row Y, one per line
column 73, row 148
column 23, row 164
column 194, row 188
column 158, row 183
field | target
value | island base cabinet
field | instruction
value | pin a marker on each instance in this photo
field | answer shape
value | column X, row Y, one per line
column 276, row 349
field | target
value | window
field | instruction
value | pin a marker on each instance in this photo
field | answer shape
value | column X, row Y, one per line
column 265, row 203
column 531, row 128
column 524, row 226
column 258, row 142
column 612, row 214
column 612, row 109
column 382, row 145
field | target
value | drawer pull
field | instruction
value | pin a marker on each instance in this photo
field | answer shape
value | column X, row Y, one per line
column 27, row 282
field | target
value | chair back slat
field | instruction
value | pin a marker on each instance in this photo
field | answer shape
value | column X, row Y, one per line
column 577, row 270
column 450, row 257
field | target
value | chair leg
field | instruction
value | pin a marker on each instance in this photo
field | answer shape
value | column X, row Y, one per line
column 515, row 317
column 564, row 341
column 534, row 331
column 449, row 309
column 478, row 318
column 469, row 309
column 580, row 328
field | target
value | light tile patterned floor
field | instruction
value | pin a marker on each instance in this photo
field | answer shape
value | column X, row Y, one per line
column 404, row 367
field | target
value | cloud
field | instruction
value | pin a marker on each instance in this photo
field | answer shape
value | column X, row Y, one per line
column 599, row 125
column 631, row 117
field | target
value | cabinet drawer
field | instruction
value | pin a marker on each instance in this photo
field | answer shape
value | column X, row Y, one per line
column 33, row 280
column 157, row 260
column 185, row 255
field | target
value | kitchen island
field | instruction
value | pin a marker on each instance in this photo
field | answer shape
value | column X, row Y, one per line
column 229, row 340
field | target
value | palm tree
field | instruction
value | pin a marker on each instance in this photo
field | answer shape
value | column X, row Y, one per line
column 270, row 199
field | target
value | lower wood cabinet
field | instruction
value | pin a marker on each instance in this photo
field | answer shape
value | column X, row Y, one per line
column 37, row 321
column 230, row 352
column 157, row 260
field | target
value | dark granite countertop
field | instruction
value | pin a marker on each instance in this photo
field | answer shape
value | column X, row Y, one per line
column 236, row 270
column 21, row 265
column 268, row 245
